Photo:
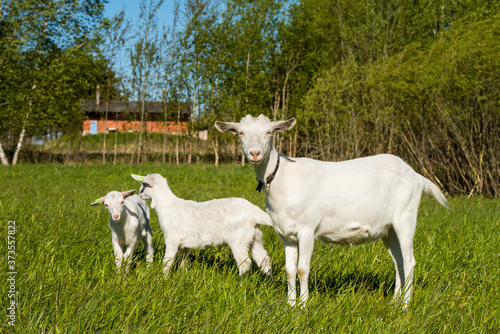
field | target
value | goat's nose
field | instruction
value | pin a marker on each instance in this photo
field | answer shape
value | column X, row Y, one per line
column 254, row 154
column 115, row 217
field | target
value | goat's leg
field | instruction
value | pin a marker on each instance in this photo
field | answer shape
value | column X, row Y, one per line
column 391, row 242
column 183, row 256
column 291, row 256
column 128, row 254
column 171, row 249
column 306, row 247
column 118, row 252
column 240, row 254
column 260, row 255
column 405, row 232
column 148, row 245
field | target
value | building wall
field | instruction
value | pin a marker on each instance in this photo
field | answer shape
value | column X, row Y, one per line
column 134, row 126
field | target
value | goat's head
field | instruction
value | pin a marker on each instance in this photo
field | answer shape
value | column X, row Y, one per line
column 255, row 134
column 147, row 184
column 114, row 201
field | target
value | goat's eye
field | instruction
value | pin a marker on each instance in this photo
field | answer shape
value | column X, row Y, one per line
column 105, row 205
column 241, row 134
column 269, row 133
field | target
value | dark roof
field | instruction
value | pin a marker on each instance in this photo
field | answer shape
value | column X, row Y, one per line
column 132, row 106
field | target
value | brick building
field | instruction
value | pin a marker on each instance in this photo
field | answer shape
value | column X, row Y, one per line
column 126, row 117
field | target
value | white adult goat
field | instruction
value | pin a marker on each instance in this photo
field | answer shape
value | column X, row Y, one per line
column 187, row 224
column 349, row 202
column 129, row 222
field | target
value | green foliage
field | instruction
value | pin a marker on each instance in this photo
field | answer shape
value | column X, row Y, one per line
column 66, row 281
column 419, row 79
column 52, row 62
column 232, row 50
column 435, row 105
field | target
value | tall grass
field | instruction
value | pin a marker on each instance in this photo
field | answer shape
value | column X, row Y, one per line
column 66, row 281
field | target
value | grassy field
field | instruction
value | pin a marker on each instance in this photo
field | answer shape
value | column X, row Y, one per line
column 65, row 281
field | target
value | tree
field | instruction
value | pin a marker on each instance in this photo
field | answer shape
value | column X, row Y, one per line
column 145, row 59
column 168, row 59
column 435, row 105
column 117, row 31
column 231, row 53
column 38, row 40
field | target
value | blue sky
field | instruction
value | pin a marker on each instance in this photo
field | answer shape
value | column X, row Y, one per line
column 132, row 10
column 131, row 7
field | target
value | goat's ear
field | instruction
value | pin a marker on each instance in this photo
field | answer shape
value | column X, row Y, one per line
column 228, row 127
column 284, row 125
column 126, row 194
column 137, row 177
column 97, row 201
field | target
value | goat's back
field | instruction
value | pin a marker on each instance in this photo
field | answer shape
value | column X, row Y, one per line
column 371, row 191
column 212, row 223
column 232, row 211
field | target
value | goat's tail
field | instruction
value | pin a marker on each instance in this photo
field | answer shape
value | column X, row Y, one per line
column 432, row 189
column 262, row 218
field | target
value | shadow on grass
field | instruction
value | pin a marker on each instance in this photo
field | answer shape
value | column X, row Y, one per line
column 357, row 281
column 322, row 281
column 218, row 258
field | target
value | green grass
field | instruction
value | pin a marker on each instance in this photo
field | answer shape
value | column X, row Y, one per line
column 66, row 281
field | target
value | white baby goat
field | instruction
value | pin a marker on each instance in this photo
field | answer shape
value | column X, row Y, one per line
column 129, row 222
column 349, row 202
column 219, row 222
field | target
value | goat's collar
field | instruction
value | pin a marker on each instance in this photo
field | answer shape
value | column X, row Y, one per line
column 270, row 178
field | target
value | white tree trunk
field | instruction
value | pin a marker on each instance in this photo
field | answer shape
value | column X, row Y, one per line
column 141, row 129
column 177, row 160
column 214, row 145
column 164, row 150
column 21, row 137
column 18, row 147
column 3, row 157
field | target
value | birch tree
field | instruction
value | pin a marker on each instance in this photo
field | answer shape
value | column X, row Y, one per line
column 38, row 40
column 145, row 60
column 117, row 34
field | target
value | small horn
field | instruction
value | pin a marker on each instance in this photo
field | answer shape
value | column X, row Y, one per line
column 97, row 201
column 128, row 193
column 137, row 177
